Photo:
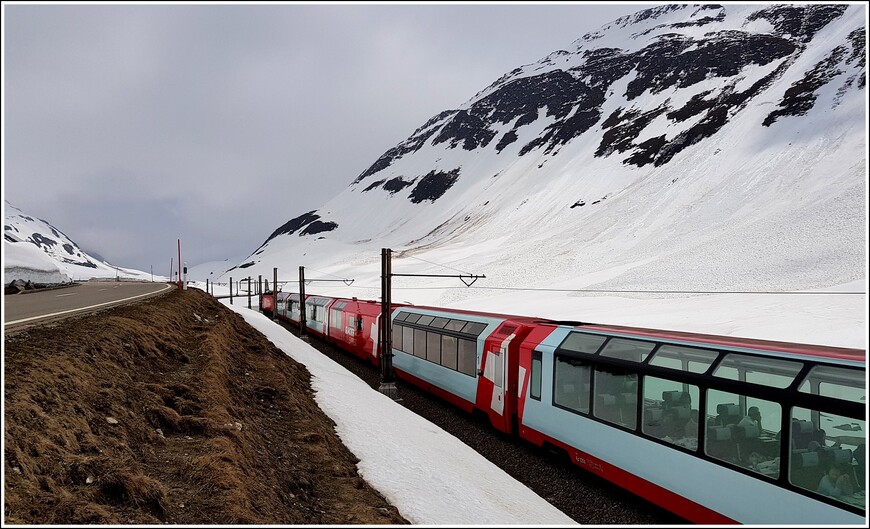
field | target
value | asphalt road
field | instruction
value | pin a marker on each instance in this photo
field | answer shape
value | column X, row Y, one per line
column 35, row 307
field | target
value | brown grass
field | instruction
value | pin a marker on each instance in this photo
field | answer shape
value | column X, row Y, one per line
column 170, row 411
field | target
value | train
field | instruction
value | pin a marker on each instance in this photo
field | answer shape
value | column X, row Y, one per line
column 715, row 429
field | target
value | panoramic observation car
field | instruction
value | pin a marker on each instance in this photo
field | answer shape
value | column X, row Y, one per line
column 717, row 430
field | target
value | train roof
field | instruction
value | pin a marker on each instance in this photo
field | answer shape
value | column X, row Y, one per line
column 712, row 340
column 842, row 353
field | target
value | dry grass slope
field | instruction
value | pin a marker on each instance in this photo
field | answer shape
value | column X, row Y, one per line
column 175, row 411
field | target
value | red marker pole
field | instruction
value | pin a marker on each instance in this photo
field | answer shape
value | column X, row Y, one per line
column 179, row 264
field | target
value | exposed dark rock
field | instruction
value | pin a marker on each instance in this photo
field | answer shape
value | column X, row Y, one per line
column 408, row 146
column 85, row 263
column 69, row 249
column 394, row 185
column 318, row 227
column 508, row 138
column 670, row 62
column 690, row 23
column 858, row 38
column 18, row 285
column 292, row 225
column 466, row 128
column 693, row 107
column 646, row 151
column 433, row 186
column 373, row 185
column 801, row 96
column 619, row 138
column 800, row 22
column 41, row 240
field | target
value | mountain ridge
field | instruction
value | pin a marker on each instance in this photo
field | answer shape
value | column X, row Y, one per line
column 56, row 258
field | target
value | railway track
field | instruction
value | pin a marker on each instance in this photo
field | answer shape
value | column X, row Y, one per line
column 584, row 497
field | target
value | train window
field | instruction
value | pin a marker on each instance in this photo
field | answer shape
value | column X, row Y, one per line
column 474, row 328
column 632, row 350
column 455, row 325
column 571, row 383
column 402, row 316
column 495, row 367
column 398, row 336
column 449, row 351
column 582, row 343
column 439, row 323
column 425, row 320
column 670, row 411
column 758, row 370
column 412, row 318
column 836, row 382
column 335, row 319
column 744, row 431
column 433, row 347
column 408, row 340
column 419, row 343
column 468, row 357
column 684, row 358
column 535, row 377
column 615, row 397
column 828, row 455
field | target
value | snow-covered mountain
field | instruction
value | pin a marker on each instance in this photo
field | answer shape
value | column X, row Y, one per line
column 691, row 148
column 36, row 251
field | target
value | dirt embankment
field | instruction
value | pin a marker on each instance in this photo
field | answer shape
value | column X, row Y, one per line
column 173, row 411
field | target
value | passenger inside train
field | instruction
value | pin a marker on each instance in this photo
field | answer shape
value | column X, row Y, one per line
column 836, row 482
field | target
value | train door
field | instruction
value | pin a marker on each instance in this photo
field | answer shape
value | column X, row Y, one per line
column 376, row 339
column 495, row 381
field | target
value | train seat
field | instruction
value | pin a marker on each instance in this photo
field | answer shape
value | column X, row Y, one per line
column 802, row 433
column 727, row 414
column 675, row 398
column 834, row 456
column 806, row 469
column 721, row 443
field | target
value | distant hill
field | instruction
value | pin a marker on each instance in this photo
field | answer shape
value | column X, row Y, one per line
column 36, row 251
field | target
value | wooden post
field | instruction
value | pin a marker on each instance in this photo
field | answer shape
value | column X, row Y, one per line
column 179, row 266
column 249, row 291
column 231, row 290
column 260, row 291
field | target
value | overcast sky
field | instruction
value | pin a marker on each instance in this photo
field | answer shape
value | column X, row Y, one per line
column 131, row 126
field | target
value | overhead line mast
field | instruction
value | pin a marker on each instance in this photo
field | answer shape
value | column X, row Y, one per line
column 385, row 331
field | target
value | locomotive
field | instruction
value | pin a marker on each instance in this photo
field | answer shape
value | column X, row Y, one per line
column 716, row 429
